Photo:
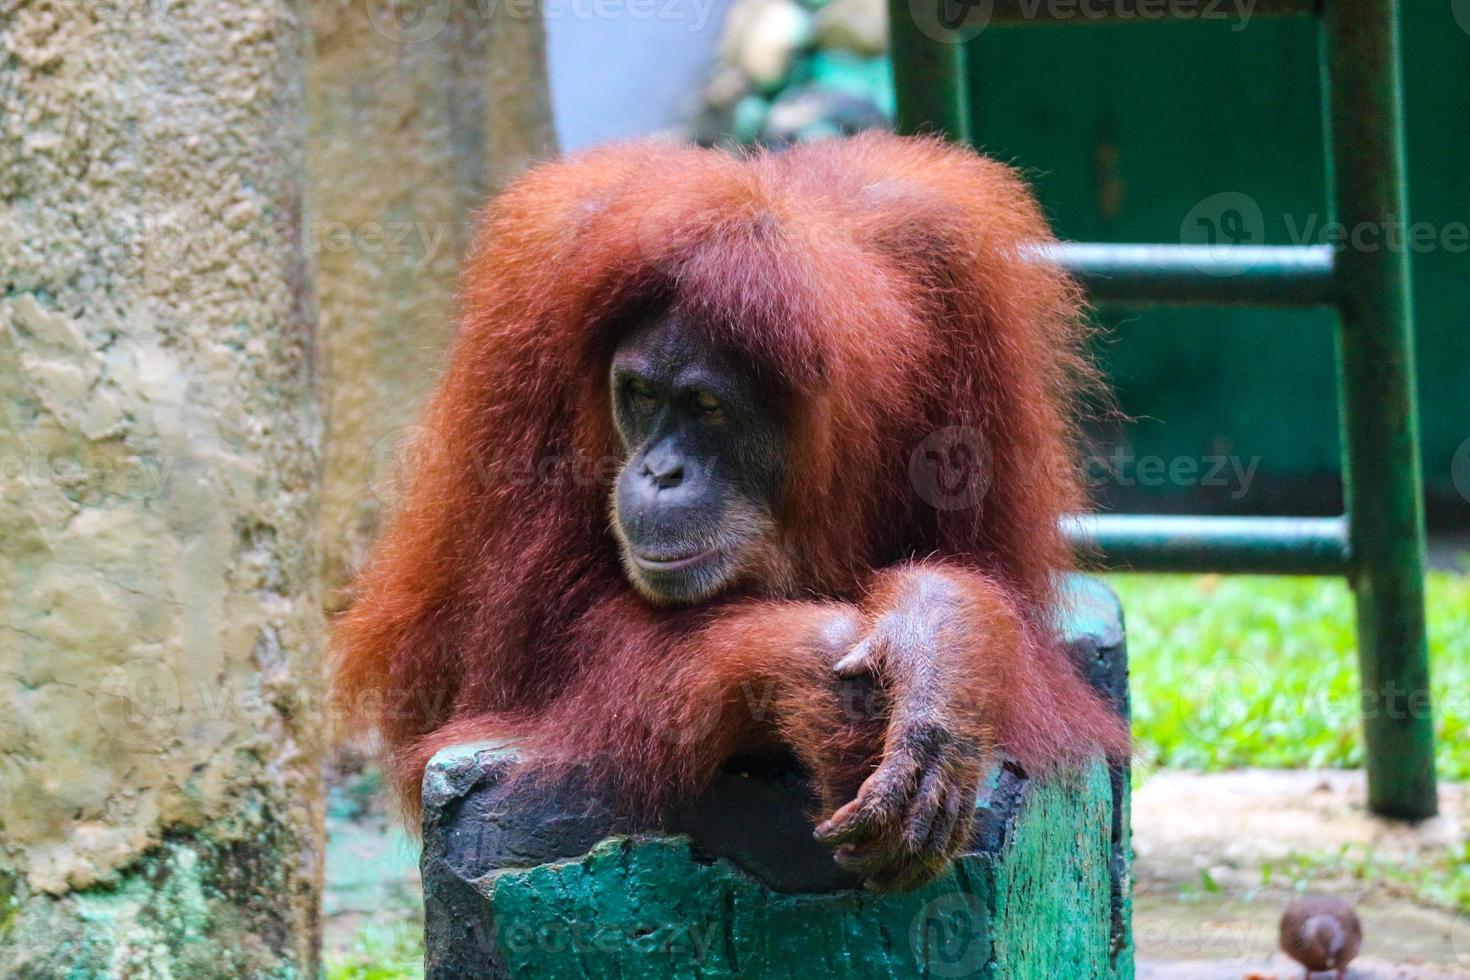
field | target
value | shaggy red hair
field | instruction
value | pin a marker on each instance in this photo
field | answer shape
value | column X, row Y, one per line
column 884, row 282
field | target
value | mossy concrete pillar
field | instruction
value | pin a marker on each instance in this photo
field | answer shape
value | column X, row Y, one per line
column 555, row 885
column 418, row 112
column 159, row 619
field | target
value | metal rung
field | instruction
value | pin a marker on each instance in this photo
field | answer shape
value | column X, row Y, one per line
column 1145, row 11
column 1200, row 275
column 1250, row 545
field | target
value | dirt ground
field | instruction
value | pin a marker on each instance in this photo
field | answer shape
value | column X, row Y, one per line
column 1217, row 856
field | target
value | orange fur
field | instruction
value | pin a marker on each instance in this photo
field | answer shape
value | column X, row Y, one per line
column 882, row 283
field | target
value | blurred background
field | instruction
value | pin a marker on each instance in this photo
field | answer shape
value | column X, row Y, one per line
column 230, row 236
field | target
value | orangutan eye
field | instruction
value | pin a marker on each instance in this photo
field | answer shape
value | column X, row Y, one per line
column 707, row 404
column 640, row 393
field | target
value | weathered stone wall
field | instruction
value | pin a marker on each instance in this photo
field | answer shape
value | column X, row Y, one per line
column 159, row 616
column 416, row 116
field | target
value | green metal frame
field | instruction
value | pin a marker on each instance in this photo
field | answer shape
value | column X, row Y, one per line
column 929, row 74
column 1379, row 543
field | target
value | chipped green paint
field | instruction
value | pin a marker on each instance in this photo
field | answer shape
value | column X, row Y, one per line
column 197, row 906
column 645, row 906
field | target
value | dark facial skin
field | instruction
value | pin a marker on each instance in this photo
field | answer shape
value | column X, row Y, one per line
column 692, row 507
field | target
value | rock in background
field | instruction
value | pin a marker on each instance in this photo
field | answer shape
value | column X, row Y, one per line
column 792, row 71
column 414, row 121
column 160, row 621
column 168, row 187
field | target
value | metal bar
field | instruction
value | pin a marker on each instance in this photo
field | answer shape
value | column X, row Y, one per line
column 1380, row 428
column 1141, row 11
column 1200, row 275
column 1244, row 545
column 928, row 68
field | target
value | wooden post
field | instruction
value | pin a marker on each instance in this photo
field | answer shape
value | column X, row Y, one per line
column 555, row 885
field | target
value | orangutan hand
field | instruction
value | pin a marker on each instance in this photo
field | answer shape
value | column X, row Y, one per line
column 915, row 812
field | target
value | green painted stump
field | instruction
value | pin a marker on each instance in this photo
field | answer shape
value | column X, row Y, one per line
column 557, row 885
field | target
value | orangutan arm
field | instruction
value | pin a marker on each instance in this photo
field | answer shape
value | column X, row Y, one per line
column 893, row 705
column 965, row 674
column 761, row 675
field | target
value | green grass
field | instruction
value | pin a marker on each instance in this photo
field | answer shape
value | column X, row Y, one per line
column 1441, row 878
column 383, row 949
column 1262, row 671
